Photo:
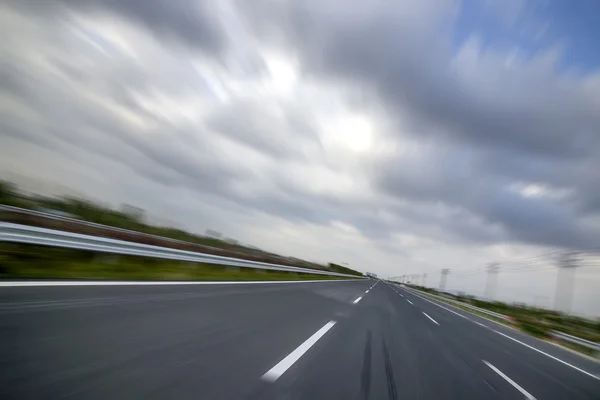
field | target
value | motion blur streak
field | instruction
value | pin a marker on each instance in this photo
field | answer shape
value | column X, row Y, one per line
column 217, row 341
column 417, row 170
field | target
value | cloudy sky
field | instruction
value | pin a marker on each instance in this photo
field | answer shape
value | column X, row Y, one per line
column 401, row 137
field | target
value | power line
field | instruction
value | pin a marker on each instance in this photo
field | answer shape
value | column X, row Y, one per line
column 523, row 270
column 543, row 255
column 470, row 272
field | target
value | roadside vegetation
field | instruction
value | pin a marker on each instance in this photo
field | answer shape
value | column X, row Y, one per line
column 19, row 261
column 133, row 220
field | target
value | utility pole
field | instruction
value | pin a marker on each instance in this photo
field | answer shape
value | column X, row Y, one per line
column 565, row 280
column 492, row 280
column 443, row 279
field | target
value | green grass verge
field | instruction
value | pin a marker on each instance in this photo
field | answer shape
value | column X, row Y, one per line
column 36, row 262
column 576, row 347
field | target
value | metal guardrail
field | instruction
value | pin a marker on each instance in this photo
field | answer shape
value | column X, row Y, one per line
column 4, row 207
column 574, row 339
column 462, row 304
column 260, row 253
column 481, row 310
column 16, row 233
column 555, row 334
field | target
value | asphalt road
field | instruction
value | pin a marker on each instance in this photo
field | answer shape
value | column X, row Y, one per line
column 310, row 340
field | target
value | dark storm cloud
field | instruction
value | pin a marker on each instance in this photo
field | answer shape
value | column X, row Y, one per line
column 538, row 221
column 493, row 125
column 193, row 21
column 406, row 61
column 485, row 129
column 467, row 182
column 171, row 155
column 279, row 131
column 167, row 154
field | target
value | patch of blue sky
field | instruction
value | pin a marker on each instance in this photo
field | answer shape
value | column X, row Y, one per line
column 535, row 26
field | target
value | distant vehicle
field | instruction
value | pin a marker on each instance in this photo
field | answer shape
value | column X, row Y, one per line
column 371, row 275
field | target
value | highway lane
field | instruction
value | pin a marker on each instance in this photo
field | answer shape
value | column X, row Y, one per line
column 313, row 340
column 386, row 349
column 551, row 371
column 179, row 342
column 447, row 311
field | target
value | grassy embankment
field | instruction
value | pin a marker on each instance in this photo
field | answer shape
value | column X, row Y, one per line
column 19, row 261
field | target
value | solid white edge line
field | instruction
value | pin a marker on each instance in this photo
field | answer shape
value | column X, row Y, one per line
column 150, row 283
column 546, row 354
column 527, row 395
column 445, row 308
column 357, row 300
column 433, row 320
column 274, row 373
column 409, row 301
column 516, row 340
